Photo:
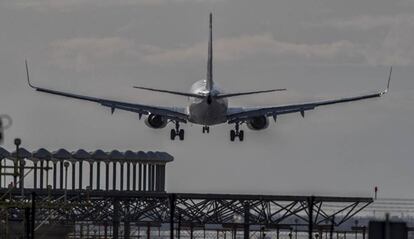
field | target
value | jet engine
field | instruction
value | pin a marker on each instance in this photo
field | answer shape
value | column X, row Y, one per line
column 258, row 123
column 156, row 121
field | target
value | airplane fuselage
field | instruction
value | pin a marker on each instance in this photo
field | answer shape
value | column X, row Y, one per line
column 209, row 110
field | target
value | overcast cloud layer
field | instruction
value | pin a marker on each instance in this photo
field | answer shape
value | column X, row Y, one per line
column 315, row 48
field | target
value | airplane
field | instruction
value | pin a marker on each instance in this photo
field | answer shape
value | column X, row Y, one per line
column 208, row 105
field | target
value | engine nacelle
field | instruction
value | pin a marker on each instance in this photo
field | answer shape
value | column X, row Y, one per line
column 156, row 121
column 258, row 123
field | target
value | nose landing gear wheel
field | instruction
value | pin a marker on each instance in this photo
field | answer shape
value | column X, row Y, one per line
column 206, row 129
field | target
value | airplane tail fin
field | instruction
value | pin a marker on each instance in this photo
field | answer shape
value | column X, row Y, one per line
column 209, row 83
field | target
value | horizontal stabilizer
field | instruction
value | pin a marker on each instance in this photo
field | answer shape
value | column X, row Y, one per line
column 171, row 92
column 247, row 93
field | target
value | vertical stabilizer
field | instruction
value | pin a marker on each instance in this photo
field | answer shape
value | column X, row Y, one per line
column 209, row 83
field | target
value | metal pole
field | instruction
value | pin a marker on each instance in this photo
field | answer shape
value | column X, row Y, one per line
column 54, row 175
column 150, row 177
column 1, row 169
column 140, row 177
column 22, row 164
column 363, row 232
column 246, row 220
column 128, row 175
column 73, row 175
column 311, row 201
column 47, row 174
column 157, row 178
column 27, row 223
column 387, row 226
column 162, row 182
column 172, row 199
column 17, row 142
column 61, row 175
column 98, row 175
column 122, row 176
column 41, row 174
column 80, row 174
column 34, row 175
column 127, row 229
column 114, row 175
column 144, row 186
column 116, row 220
column 107, row 176
column 134, row 176
column 91, row 175
column 332, row 228
column 179, row 227
column 277, row 232
column 153, row 177
column 32, row 221
column 66, row 164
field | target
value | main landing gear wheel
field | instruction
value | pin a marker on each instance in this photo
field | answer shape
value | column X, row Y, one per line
column 236, row 133
column 206, row 129
column 177, row 132
column 181, row 134
column 232, row 135
column 173, row 134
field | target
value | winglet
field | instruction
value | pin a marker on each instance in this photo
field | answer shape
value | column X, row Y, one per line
column 388, row 83
column 28, row 76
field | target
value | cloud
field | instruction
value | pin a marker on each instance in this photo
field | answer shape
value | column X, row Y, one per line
column 80, row 53
column 64, row 4
column 397, row 47
column 83, row 53
column 228, row 49
column 367, row 22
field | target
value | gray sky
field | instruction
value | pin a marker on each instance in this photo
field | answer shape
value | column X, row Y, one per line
column 315, row 48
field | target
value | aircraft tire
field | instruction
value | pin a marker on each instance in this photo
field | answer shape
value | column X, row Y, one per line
column 241, row 135
column 232, row 135
column 172, row 134
column 181, row 134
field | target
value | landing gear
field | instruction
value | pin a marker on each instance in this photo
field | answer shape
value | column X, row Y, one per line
column 237, row 133
column 177, row 132
column 206, row 129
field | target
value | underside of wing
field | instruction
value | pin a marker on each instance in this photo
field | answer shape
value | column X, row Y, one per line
column 243, row 114
column 171, row 113
column 236, row 115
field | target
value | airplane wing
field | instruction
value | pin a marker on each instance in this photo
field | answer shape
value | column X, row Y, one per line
column 172, row 113
column 236, row 115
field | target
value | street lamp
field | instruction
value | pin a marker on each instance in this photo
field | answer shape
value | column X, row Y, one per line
column 17, row 142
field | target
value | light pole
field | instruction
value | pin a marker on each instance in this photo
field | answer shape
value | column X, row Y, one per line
column 17, row 142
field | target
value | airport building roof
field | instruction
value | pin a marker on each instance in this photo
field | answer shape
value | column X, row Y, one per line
column 81, row 154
